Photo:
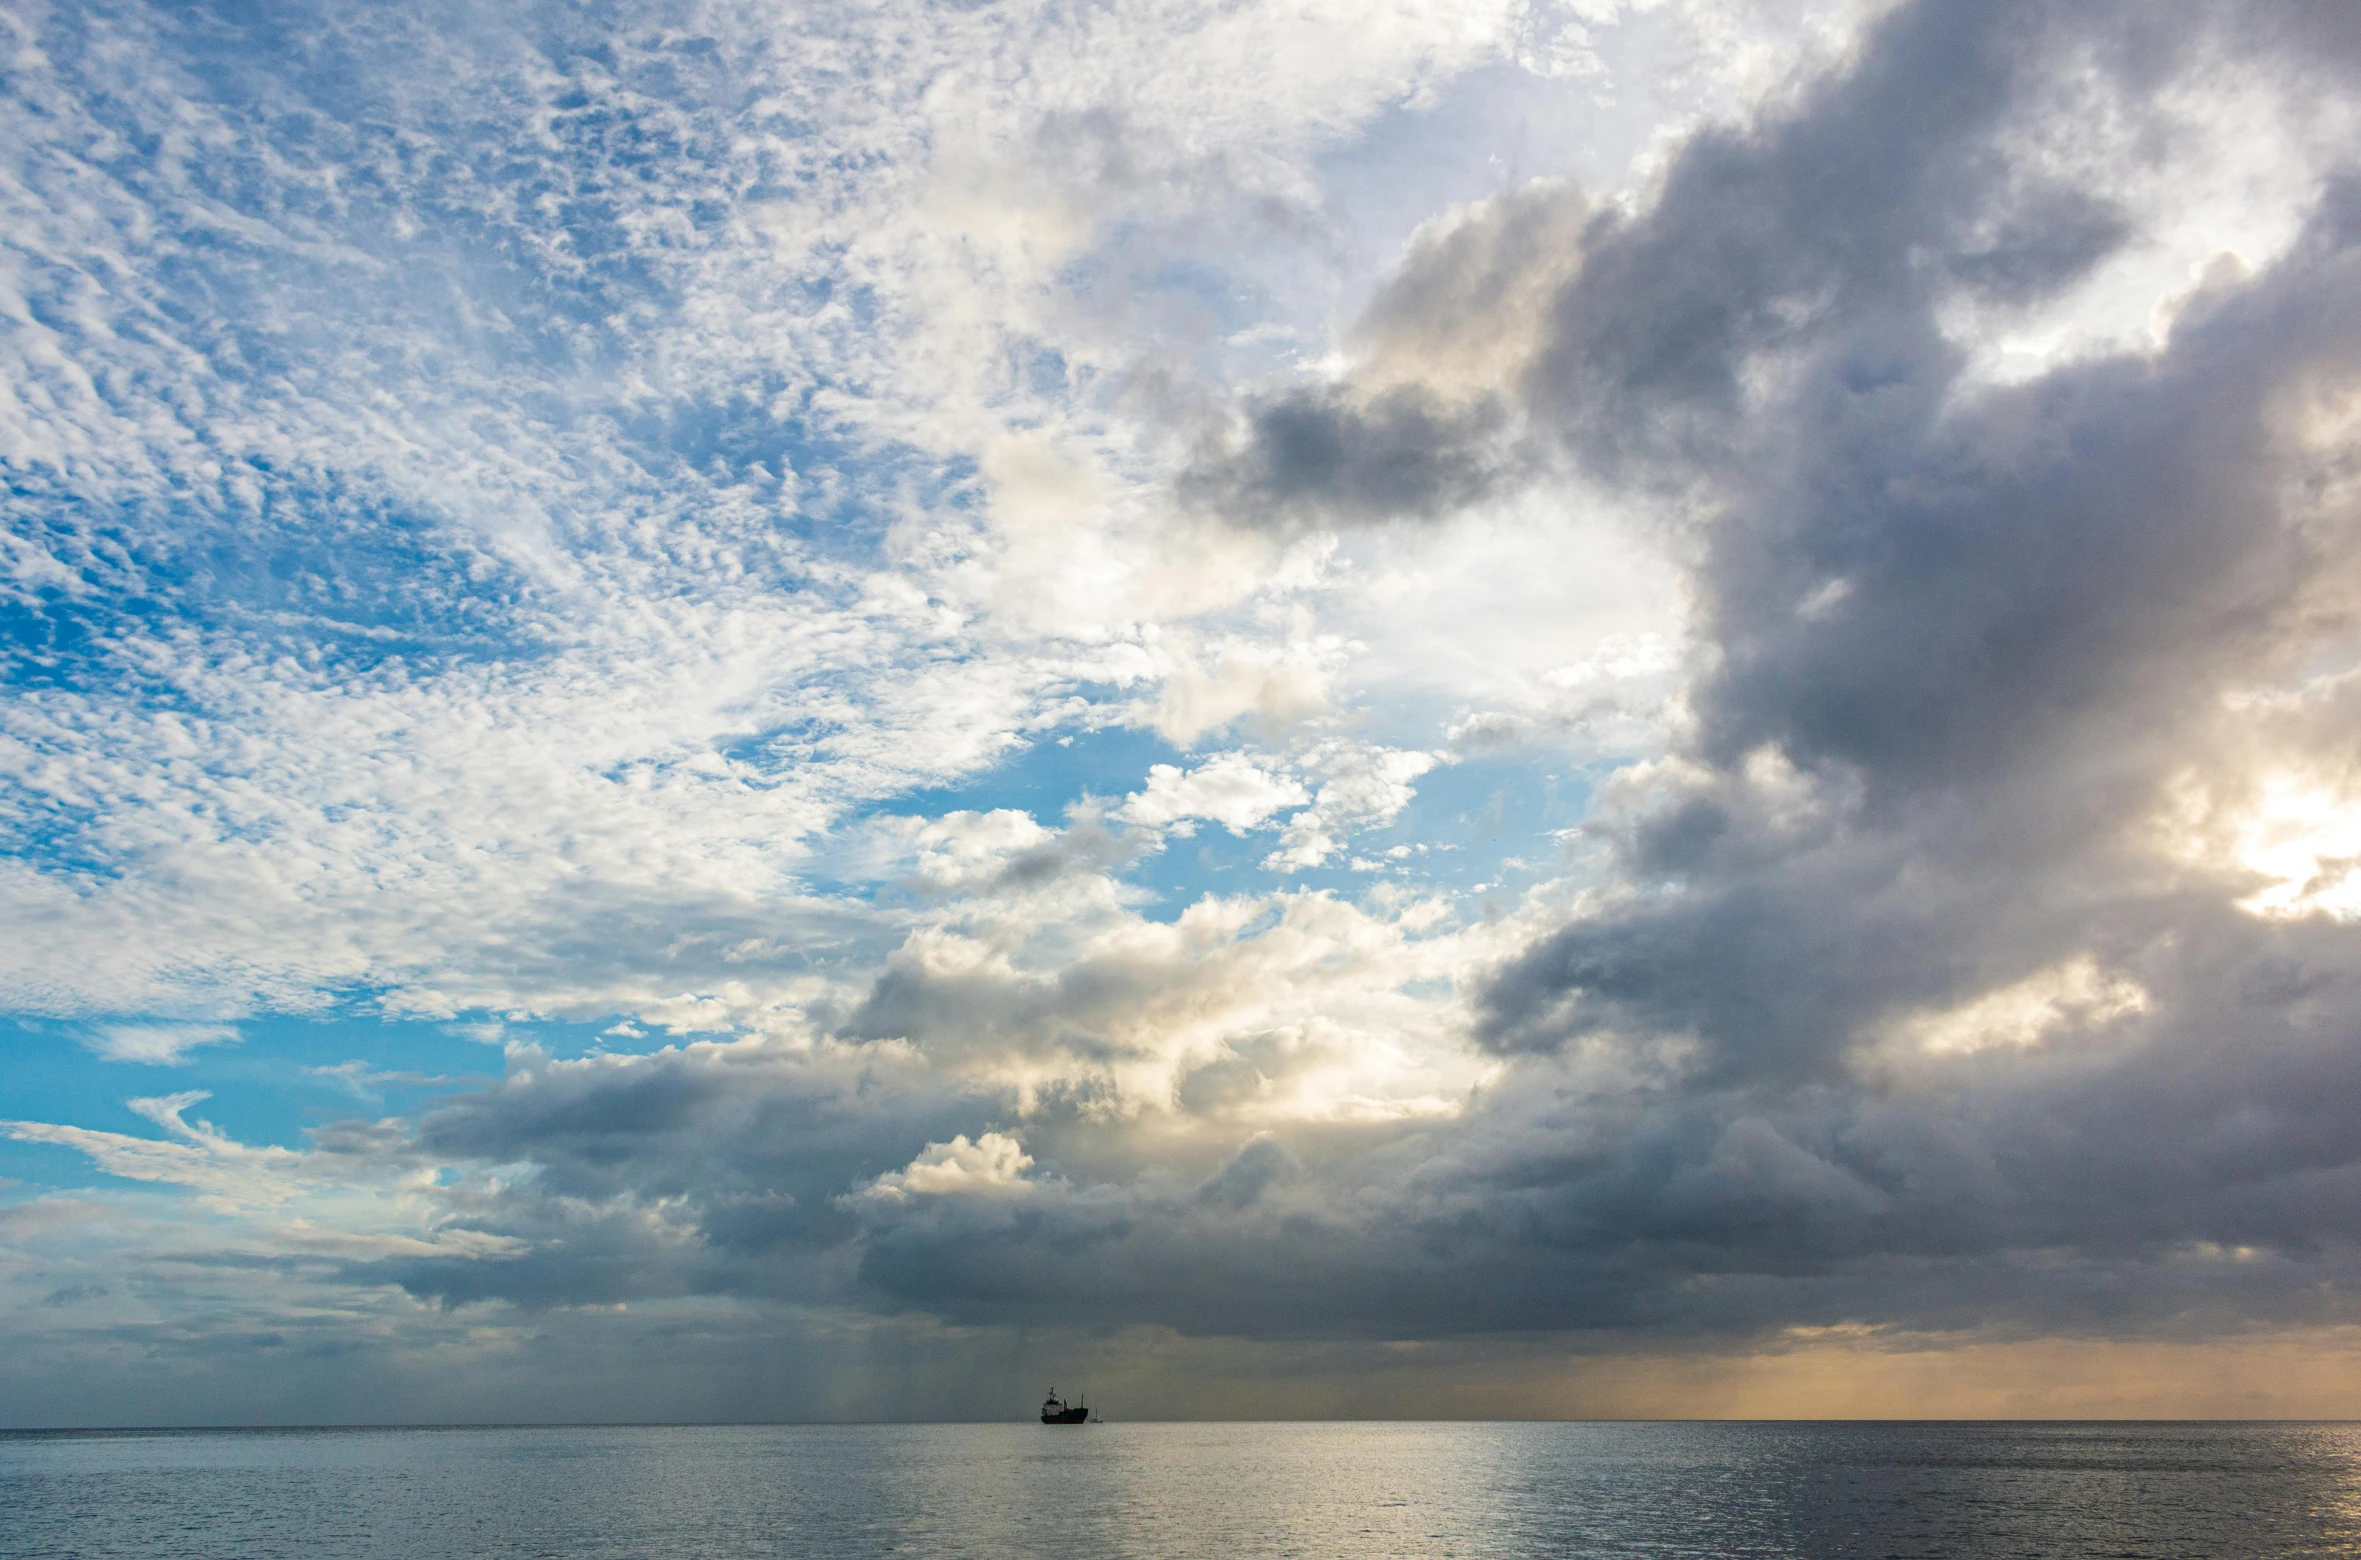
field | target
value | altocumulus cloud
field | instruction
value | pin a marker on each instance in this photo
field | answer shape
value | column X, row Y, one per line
column 1946, row 926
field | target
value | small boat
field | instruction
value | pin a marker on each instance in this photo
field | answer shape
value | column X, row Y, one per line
column 1055, row 1412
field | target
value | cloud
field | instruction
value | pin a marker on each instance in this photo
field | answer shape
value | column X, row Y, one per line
column 1229, row 789
column 229, row 1174
column 1971, row 646
column 1422, row 428
column 161, row 1045
column 367, row 1082
column 1362, row 787
column 993, row 1165
column 2068, row 996
column 658, row 604
column 1004, row 849
column 1316, row 456
column 1273, row 687
column 2046, row 589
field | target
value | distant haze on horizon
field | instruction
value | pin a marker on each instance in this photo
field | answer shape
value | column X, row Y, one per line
column 1408, row 708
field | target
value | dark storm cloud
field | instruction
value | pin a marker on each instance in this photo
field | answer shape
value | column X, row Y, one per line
column 1720, row 1212
column 1436, row 429
column 1985, row 630
column 1893, row 186
column 707, row 1169
column 1961, row 644
column 1890, row 188
column 1315, row 456
column 1960, row 641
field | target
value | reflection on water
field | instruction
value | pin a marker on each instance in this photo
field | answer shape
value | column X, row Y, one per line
column 1175, row 1492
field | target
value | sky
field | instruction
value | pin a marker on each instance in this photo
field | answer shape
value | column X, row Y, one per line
column 740, row 711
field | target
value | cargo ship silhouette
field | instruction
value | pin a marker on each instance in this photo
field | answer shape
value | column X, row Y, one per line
column 1055, row 1412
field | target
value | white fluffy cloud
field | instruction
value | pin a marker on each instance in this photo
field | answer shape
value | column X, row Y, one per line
column 993, row 1165
column 1230, row 789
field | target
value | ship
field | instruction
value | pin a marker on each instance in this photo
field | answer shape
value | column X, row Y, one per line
column 1054, row 1411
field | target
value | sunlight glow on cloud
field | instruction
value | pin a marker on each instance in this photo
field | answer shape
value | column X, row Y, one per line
column 993, row 1165
column 2075, row 995
column 2306, row 840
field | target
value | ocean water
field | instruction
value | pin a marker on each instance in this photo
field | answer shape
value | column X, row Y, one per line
column 1180, row 1491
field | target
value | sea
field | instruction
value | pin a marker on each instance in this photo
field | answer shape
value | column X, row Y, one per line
column 1182, row 1491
